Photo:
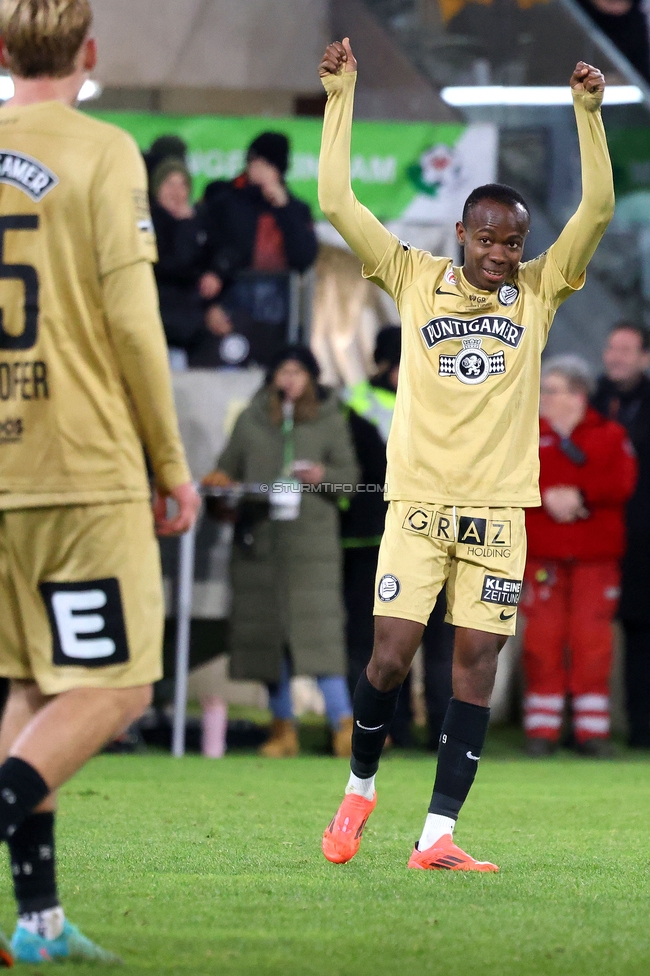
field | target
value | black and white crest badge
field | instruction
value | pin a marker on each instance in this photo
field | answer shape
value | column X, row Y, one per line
column 508, row 295
column 472, row 364
column 26, row 174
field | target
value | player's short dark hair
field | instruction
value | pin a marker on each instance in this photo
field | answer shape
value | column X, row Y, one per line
column 499, row 192
column 641, row 330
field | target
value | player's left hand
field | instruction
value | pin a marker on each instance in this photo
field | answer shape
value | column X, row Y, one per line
column 588, row 79
column 188, row 502
column 338, row 57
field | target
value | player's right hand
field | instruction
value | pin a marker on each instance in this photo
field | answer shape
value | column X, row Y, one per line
column 188, row 501
column 338, row 56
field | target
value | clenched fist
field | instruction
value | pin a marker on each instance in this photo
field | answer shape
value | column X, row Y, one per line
column 338, row 55
column 590, row 80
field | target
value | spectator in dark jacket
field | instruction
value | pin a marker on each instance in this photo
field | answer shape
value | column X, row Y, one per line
column 625, row 23
column 575, row 542
column 253, row 222
column 623, row 394
column 181, row 272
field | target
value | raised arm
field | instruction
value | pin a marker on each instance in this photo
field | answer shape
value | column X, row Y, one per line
column 367, row 237
column 576, row 244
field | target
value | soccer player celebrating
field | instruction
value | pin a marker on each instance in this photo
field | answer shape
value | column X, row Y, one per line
column 463, row 446
column 84, row 381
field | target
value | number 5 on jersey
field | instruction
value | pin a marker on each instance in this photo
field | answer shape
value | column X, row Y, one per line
column 12, row 337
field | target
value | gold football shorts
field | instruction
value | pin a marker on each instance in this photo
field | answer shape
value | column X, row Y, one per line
column 81, row 600
column 479, row 552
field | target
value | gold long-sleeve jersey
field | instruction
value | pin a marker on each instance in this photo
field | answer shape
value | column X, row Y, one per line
column 465, row 427
column 84, row 378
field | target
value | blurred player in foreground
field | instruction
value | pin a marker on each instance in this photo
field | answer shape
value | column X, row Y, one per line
column 463, row 446
column 84, row 382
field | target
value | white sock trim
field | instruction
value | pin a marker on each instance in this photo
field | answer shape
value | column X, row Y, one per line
column 434, row 828
column 47, row 924
column 362, row 787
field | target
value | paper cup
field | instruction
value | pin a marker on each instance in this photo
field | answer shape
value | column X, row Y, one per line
column 284, row 498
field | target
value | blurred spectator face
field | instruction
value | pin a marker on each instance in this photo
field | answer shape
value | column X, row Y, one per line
column 262, row 173
column 624, row 358
column 616, row 8
column 561, row 406
column 291, row 379
column 174, row 194
column 393, row 376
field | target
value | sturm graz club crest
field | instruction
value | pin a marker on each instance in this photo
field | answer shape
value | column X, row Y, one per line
column 472, row 364
column 508, row 294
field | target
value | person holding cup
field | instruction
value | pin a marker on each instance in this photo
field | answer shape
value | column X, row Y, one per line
column 287, row 612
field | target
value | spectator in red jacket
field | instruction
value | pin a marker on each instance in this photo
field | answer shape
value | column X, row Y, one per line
column 575, row 543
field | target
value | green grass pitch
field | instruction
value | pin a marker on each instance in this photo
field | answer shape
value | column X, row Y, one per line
column 201, row 866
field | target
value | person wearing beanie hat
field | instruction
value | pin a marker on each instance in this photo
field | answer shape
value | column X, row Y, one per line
column 166, row 168
column 388, row 346
column 298, row 354
column 273, row 147
column 182, row 272
column 254, row 223
column 163, row 148
column 287, row 611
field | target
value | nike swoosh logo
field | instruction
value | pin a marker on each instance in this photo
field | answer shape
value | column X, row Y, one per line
column 367, row 728
column 470, row 756
column 502, row 615
column 453, row 294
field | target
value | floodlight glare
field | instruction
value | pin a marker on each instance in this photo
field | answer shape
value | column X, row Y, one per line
column 89, row 89
column 470, row 95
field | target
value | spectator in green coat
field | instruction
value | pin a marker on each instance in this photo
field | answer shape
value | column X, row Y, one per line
column 287, row 613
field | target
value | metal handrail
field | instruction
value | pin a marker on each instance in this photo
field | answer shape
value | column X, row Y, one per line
column 186, row 553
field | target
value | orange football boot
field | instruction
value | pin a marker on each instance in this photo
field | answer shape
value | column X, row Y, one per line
column 444, row 855
column 342, row 838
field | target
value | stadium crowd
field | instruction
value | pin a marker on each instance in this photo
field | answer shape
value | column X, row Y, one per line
column 223, row 265
column 588, row 557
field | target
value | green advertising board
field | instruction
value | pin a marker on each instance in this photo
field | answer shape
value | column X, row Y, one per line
column 630, row 152
column 392, row 162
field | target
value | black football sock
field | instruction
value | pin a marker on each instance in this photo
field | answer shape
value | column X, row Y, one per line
column 31, row 850
column 461, row 742
column 21, row 789
column 373, row 712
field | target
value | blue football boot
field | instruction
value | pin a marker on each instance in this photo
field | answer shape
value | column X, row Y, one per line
column 71, row 944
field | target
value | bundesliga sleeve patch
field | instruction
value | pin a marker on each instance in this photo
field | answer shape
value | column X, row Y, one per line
column 26, row 174
column 142, row 212
column 505, row 592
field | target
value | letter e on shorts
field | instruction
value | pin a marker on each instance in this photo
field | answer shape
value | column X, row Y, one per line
column 87, row 622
